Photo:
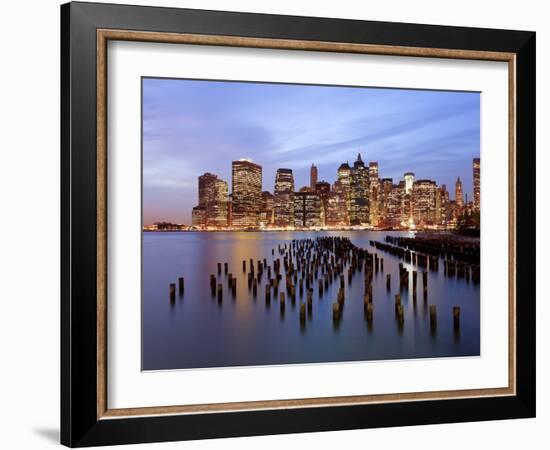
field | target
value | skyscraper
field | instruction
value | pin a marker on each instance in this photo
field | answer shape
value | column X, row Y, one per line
column 307, row 209
column 424, row 201
column 284, row 198
column 459, row 198
column 212, row 210
column 246, row 193
column 409, row 181
column 359, row 193
column 313, row 177
column 477, row 185
column 266, row 211
column 374, row 194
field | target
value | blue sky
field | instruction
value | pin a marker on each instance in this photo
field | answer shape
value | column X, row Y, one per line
column 193, row 126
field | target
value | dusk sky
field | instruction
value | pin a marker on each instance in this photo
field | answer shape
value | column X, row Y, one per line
column 192, row 127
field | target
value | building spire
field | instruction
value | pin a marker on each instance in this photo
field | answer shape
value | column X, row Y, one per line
column 359, row 157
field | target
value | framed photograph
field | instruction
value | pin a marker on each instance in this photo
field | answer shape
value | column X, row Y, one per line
column 277, row 224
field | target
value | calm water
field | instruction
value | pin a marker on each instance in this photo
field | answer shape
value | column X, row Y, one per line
column 196, row 331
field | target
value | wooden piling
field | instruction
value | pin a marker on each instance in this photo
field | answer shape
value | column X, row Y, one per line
column 456, row 317
column 302, row 312
column 181, row 282
column 433, row 317
column 282, row 303
column 220, row 292
column 388, row 282
column 172, row 292
column 336, row 311
column 225, row 268
column 219, row 268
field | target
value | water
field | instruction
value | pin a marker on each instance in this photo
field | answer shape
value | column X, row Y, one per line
column 197, row 332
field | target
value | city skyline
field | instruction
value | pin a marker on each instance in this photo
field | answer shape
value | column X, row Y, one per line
column 193, row 127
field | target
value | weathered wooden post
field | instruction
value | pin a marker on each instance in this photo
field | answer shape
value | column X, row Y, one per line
column 229, row 279
column 219, row 268
column 234, row 287
column 456, row 317
column 400, row 315
column 302, row 312
column 336, row 311
column 282, row 304
column 388, row 282
column 267, row 294
column 172, row 292
column 225, row 268
column 244, row 265
column 342, row 283
column 433, row 317
column 254, row 287
column 369, row 312
column 220, row 293
column 181, row 282
column 381, row 264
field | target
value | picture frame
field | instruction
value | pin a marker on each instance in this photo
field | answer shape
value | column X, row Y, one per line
column 86, row 418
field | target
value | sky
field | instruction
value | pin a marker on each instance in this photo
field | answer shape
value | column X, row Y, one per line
column 195, row 126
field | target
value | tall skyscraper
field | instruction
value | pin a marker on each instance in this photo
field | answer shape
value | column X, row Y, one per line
column 424, row 201
column 459, row 197
column 246, row 197
column 409, row 181
column 359, row 193
column 212, row 210
column 313, row 177
column 374, row 194
column 477, row 183
column 307, row 209
column 284, row 198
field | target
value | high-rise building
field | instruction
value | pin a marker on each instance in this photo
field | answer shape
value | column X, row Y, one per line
column 213, row 202
column 246, row 193
column 307, row 209
column 409, row 181
column 344, row 182
column 374, row 194
column 459, row 197
column 359, row 193
column 336, row 211
column 477, row 185
column 424, row 201
column 284, row 198
column 322, row 188
column 386, row 185
column 313, row 177
column 267, row 209
column 394, row 205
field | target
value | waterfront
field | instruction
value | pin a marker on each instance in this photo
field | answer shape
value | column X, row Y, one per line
column 198, row 331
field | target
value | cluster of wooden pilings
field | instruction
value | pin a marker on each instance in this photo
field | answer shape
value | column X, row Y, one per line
column 298, row 267
column 172, row 290
column 460, row 259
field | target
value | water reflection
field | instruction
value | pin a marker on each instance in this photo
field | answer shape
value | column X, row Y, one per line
column 206, row 329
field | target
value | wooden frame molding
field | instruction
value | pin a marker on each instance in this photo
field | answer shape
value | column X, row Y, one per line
column 103, row 36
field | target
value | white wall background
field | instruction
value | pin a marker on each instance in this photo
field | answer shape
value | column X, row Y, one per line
column 29, row 223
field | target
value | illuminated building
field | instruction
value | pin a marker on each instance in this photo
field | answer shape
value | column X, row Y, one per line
column 267, row 208
column 409, row 181
column 198, row 216
column 459, row 198
column 213, row 200
column 394, row 205
column 424, row 202
column 344, row 181
column 307, row 209
column 322, row 188
column 284, row 198
column 246, row 197
column 336, row 210
column 374, row 194
column 313, row 177
column 359, row 193
column 386, row 185
column 477, row 185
